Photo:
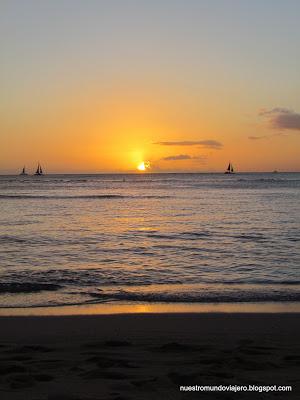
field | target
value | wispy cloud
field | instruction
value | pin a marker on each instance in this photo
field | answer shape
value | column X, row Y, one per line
column 282, row 118
column 257, row 137
column 179, row 157
column 266, row 136
column 208, row 144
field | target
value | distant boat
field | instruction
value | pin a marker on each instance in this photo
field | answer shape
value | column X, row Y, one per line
column 23, row 172
column 39, row 170
column 229, row 169
column 275, row 171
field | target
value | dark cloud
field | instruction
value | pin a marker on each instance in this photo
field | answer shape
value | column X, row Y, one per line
column 274, row 110
column 282, row 118
column 178, row 157
column 209, row 144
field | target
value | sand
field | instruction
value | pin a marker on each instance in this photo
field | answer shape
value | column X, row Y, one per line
column 147, row 356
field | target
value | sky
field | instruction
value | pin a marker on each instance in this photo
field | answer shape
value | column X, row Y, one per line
column 183, row 86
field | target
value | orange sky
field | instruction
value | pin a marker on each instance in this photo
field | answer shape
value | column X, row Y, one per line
column 100, row 88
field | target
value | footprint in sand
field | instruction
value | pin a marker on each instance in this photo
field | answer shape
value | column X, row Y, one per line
column 43, row 377
column 175, row 347
column 104, row 362
column 117, row 343
column 245, row 342
column 7, row 369
column 21, row 381
column 253, row 351
column 143, row 382
column 108, row 343
column 251, row 365
column 21, row 358
column 121, row 398
column 29, row 349
column 183, row 379
column 100, row 374
column 293, row 360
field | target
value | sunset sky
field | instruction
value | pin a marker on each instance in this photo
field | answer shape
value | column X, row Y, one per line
column 102, row 86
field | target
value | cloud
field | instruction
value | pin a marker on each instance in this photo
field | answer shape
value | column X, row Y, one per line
column 208, row 144
column 202, row 158
column 258, row 137
column 282, row 118
column 267, row 136
column 178, row 157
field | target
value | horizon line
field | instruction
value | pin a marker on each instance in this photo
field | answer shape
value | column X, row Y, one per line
column 154, row 172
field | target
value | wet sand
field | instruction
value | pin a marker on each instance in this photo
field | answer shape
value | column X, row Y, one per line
column 147, row 356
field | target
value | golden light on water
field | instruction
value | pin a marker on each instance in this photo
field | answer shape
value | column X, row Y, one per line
column 143, row 166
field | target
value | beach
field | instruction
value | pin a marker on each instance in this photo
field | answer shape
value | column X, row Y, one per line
column 147, row 356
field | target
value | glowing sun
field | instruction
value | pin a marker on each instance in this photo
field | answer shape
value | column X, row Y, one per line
column 143, row 166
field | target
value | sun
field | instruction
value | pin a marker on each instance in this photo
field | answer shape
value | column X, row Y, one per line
column 143, row 166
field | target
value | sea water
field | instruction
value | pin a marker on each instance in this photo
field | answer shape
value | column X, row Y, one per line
column 154, row 238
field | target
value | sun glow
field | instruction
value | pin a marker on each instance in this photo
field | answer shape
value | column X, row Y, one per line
column 143, row 166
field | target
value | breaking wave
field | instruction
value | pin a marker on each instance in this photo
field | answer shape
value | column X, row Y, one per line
column 89, row 196
column 27, row 287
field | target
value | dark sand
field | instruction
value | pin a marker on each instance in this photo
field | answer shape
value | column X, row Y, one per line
column 147, row 356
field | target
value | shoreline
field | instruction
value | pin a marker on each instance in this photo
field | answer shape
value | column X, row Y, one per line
column 154, row 308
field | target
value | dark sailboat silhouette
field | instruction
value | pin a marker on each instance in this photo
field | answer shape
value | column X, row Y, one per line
column 229, row 169
column 39, row 170
column 23, row 171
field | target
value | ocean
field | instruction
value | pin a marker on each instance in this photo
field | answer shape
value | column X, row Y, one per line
column 149, row 238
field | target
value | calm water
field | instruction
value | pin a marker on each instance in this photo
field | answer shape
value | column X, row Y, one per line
column 80, row 239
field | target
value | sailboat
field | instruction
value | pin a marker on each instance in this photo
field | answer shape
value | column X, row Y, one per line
column 23, row 172
column 39, row 170
column 229, row 169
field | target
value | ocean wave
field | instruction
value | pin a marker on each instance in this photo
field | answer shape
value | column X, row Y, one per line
column 27, row 287
column 196, row 297
column 88, row 196
column 128, row 297
column 264, row 180
column 76, row 295
column 109, row 273
column 251, row 237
